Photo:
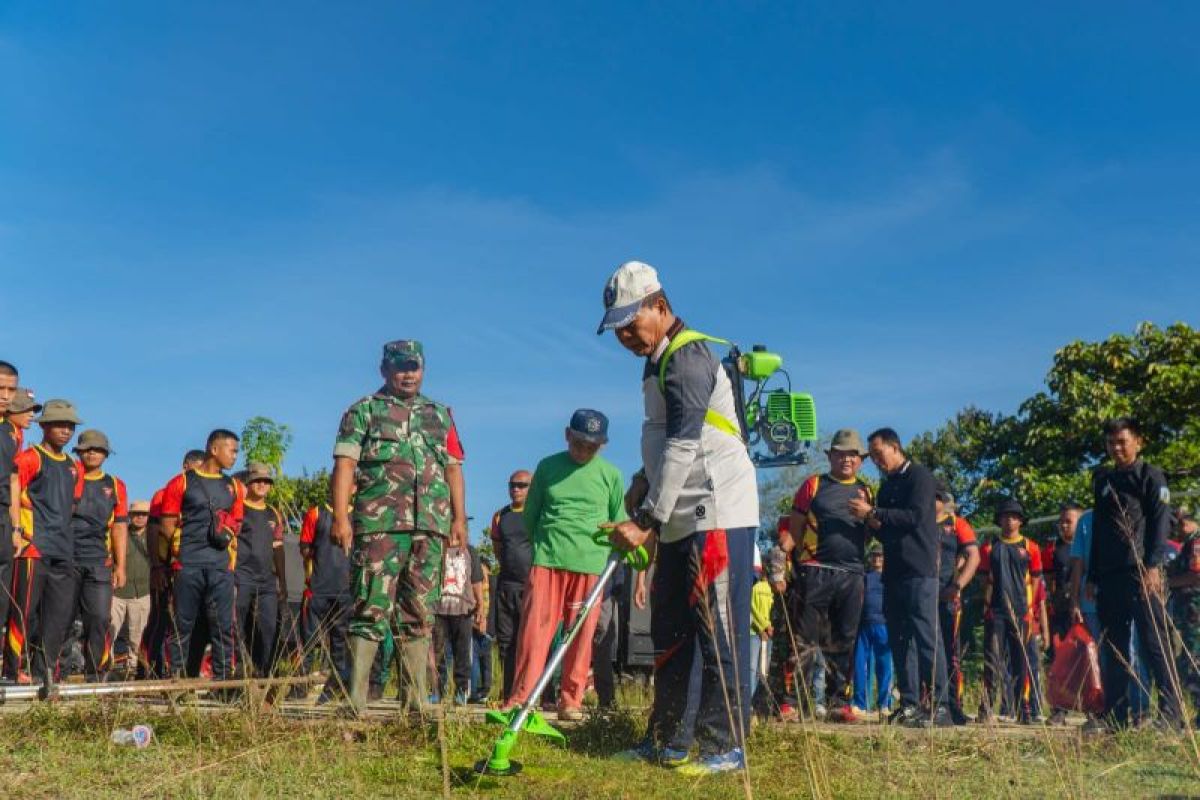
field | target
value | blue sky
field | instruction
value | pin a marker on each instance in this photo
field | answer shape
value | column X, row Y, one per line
column 214, row 211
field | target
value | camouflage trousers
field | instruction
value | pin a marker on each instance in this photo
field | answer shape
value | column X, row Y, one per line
column 1185, row 615
column 396, row 579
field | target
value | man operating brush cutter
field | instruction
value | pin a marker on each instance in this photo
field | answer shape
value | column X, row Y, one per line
column 700, row 499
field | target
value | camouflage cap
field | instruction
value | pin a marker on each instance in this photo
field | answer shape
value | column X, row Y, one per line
column 93, row 440
column 23, row 401
column 402, row 351
column 59, row 411
column 257, row 471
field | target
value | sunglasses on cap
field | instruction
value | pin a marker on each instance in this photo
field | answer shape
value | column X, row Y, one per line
column 518, row 484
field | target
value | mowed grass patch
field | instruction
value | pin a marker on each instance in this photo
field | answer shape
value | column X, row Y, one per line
column 64, row 751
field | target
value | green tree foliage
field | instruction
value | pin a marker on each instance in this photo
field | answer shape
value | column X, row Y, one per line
column 1045, row 452
column 267, row 441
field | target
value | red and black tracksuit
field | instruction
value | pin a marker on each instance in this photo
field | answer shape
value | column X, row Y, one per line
column 1013, row 568
column 159, row 623
column 957, row 537
column 257, row 586
column 11, row 439
column 209, row 508
column 103, row 502
column 833, row 580
column 44, row 572
column 327, row 599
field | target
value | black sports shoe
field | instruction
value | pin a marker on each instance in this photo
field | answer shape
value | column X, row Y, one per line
column 958, row 717
column 942, row 718
column 907, row 716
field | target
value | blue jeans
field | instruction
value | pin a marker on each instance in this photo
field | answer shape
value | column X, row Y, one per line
column 1139, row 689
column 481, row 665
column 873, row 651
column 757, row 645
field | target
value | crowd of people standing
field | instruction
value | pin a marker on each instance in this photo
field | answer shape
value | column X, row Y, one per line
column 863, row 579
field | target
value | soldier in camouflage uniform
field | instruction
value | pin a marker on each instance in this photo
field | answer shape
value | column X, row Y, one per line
column 398, row 468
column 1183, row 578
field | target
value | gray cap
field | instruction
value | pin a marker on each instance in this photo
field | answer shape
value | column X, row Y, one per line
column 257, row 471
column 59, row 411
column 847, row 439
column 93, row 440
column 23, row 401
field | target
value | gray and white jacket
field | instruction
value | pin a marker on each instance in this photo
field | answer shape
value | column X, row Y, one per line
column 701, row 478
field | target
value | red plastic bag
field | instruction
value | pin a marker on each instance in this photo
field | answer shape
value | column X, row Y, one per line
column 1074, row 679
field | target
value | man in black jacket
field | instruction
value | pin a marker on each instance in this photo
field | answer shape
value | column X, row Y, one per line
column 1131, row 521
column 905, row 521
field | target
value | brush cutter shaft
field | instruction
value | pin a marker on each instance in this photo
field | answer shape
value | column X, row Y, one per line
column 593, row 597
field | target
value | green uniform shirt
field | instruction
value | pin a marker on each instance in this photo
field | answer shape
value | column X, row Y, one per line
column 567, row 503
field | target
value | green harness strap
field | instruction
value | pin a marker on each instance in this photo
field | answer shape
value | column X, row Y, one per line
column 712, row 417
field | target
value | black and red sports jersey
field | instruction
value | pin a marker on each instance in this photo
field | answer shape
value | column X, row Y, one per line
column 11, row 438
column 512, row 545
column 832, row 536
column 50, row 484
column 260, row 534
column 326, row 567
column 193, row 496
column 102, row 503
column 1014, row 568
column 1056, row 564
column 956, row 536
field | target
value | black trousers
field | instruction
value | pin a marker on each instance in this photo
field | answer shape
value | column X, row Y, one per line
column 1120, row 600
column 40, row 617
column 257, row 624
column 1004, row 666
column 603, row 643
column 835, row 597
column 93, row 594
column 6, row 569
column 326, row 620
column 698, row 614
column 910, row 607
column 157, row 627
column 949, row 622
column 509, row 599
column 205, row 592
column 452, row 636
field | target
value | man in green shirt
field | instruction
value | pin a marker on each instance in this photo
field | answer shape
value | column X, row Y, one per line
column 131, row 602
column 572, row 494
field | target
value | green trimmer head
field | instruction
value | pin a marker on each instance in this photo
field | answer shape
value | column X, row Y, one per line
column 499, row 763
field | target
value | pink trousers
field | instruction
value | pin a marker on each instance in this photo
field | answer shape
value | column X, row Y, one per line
column 553, row 596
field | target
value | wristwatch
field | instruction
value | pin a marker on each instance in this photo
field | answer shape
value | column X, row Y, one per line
column 644, row 520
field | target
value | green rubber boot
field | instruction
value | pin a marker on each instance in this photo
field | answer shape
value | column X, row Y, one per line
column 413, row 656
column 362, row 656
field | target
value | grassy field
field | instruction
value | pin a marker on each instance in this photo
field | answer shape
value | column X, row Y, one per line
column 64, row 751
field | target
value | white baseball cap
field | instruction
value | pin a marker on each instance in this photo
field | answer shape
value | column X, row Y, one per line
column 632, row 283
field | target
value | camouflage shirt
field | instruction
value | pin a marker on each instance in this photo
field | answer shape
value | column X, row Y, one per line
column 402, row 447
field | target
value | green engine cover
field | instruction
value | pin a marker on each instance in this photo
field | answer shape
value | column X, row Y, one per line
column 795, row 408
